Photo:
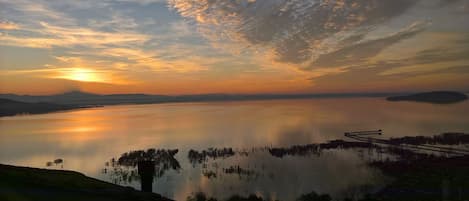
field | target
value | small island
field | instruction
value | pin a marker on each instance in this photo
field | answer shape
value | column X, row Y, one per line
column 435, row 97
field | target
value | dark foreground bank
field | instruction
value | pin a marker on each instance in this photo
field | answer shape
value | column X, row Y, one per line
column 33, row 184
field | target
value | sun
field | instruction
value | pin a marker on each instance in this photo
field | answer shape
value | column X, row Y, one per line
column 82, row 75
column 86, row 75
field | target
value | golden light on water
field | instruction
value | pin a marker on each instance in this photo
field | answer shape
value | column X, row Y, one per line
column 81, row 129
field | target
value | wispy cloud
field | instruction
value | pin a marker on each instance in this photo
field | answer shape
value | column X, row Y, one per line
column 297, row 30
column 34, row 10
column 430, row 60
column 49, row 36
column 76, row 69
column 7, row 25
column 360, row 53
column 116, row 41
column 284, row 44
column 315, row 35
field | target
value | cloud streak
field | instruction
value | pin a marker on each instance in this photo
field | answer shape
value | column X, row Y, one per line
column 324, row 37
column 7, row 25
column 298, row 31
column 269, row 45
column 360, row 53
column 55, row 36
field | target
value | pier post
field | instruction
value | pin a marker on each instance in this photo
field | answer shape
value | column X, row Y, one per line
column 146, row 171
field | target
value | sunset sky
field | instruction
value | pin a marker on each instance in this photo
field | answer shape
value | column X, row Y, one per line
column 233, row 46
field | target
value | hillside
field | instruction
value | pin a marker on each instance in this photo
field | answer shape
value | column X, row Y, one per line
column 87, row 99
column 33, row 184
column 11, row 107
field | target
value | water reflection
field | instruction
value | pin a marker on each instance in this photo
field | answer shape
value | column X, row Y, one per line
column 261, row 172
column 213, row 153
column 147, row 165
column 226, row 167
column 87, row 138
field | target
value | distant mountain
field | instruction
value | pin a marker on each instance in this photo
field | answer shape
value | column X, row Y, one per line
column 437, row 97
column 88, row 99
column 11, row 107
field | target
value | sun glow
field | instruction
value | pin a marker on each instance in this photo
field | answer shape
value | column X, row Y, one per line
column 82, row 75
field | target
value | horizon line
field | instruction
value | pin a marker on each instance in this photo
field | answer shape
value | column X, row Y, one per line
column 241, row 94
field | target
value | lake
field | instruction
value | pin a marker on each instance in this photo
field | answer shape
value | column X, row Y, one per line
column 88, row 139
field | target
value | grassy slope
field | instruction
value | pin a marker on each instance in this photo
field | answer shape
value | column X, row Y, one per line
column 28, row 184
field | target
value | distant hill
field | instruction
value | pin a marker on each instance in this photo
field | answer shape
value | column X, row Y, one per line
column 437, row 97
column 11, row 107
column 12, row 104
column 88, row 99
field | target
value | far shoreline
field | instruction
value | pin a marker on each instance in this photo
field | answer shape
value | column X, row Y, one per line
column 221, row 98
column 82, row 107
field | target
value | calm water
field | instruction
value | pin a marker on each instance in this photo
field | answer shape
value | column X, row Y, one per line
column 86, row 139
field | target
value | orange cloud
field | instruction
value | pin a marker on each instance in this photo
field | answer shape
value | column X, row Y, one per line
column 50, row 36
column 6, row 25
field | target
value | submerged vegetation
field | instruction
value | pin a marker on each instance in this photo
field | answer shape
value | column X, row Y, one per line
column 316, row 149
column 416, row 174
column 312, row 196
column 213, row 153
column 200, row 196
column 160, row 156
column 124, row 169
column 443, row 139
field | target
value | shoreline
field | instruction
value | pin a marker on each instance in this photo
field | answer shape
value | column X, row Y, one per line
column 79, row 107
column 14, row 106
